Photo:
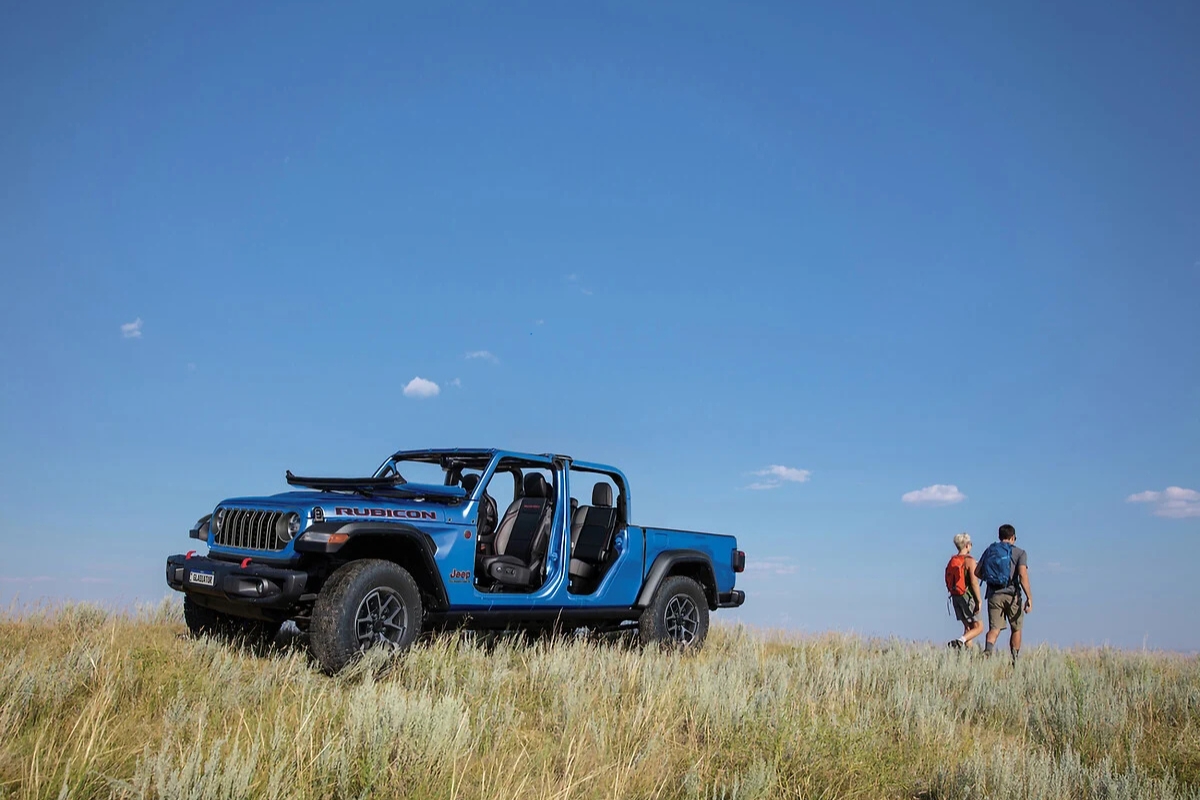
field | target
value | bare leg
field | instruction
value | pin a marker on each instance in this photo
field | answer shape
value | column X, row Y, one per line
column 971, row 631
column 1014, row 641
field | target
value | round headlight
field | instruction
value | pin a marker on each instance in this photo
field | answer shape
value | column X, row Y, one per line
column 218, row 519
column 287, row 527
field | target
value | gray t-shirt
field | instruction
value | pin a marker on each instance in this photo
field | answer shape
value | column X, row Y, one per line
column 1019, row 559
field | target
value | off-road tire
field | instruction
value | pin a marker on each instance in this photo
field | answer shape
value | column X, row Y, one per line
column 676, row 595
column 202, row 621
column 333, row 634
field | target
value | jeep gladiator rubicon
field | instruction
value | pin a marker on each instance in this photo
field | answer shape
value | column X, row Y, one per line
column 359, row 562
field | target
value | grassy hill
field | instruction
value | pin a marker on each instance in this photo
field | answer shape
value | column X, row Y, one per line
column 94, row 704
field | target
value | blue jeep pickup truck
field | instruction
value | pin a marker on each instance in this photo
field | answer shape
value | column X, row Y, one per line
column 481, row 539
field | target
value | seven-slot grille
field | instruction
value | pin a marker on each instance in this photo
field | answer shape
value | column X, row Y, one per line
column 250, row 529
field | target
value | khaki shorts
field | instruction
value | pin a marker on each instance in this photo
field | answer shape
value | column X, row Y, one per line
column 1004, row 609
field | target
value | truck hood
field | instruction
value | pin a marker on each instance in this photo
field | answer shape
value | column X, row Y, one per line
column 426, row 502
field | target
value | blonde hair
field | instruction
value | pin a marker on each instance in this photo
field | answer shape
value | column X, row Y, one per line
column 962, row 540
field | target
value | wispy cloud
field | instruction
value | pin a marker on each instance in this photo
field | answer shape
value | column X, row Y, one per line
column 421, row 389
column 574, row 278
column 1174, row 502
column 456, row 383
column 484, row 355
column 132, row 330
column 940, row 494
column 25, row 578
column 773, row 565
column 777, row 475
column 539, row 322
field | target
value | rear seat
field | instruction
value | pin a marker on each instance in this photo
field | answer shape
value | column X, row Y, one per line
column 592, row 529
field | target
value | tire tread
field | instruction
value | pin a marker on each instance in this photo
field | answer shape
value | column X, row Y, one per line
column 332, row 614
column 651, row 623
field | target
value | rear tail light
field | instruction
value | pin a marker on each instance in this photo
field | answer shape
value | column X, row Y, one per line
column 739, row 561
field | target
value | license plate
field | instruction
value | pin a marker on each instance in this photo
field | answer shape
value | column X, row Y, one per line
column 202, row 578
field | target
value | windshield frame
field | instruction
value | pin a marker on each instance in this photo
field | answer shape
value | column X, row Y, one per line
column 452, row 463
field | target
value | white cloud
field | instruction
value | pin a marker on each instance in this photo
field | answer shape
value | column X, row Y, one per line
column 539, row 322
column 776, row 475
column 132, row 330
column 485, row 355
column 456, row 383
column 773, row 565
column 940, row 494
column 588, row 292
column 786, row 473
column 1174, row 502
column 421, row 389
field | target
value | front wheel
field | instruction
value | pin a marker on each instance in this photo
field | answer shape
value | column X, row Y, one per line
column 677, row 615
column 364, row 604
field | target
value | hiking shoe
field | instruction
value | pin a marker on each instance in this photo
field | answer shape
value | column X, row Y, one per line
column 955, row 644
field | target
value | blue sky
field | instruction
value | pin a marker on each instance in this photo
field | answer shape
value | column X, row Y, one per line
column 894, row 249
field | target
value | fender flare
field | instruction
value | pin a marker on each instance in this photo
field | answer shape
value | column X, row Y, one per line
column 201, row 528
column 393, row 531
column 663, row 564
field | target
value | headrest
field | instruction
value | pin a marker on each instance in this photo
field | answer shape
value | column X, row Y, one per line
column 469, row 482
column 602, row 495
column 536, row 486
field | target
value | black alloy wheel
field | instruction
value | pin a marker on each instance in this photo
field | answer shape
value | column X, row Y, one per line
column 364, row 604
column 677, row 616
column 382, row 619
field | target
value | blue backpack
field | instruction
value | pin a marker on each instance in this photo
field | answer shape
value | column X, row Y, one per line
column 995, row 565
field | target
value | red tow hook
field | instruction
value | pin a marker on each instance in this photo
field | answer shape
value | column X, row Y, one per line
column 245, row 561
column 190, row 553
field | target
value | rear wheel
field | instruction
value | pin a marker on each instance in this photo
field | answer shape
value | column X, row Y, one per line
column 364, row 604
column 677, row 615
column 202, row 621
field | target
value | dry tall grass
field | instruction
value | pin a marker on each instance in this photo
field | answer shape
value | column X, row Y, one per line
column 94, row 704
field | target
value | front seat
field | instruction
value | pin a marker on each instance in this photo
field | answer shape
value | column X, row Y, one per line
column 592, row 529
column 522, row 536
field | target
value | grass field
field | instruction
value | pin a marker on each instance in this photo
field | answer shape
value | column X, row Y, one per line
column 94, row 704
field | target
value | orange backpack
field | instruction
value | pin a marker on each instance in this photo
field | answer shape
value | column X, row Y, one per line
column 956, row 576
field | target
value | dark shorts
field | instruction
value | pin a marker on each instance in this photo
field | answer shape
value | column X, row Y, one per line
column 965, row 608
column 1006, row 609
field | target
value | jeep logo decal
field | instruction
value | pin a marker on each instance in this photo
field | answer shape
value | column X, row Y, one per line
column 392, row 513
column 460, row 575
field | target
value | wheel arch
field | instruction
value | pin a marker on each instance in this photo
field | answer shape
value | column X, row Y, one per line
column 403, row 545
column 693, row 564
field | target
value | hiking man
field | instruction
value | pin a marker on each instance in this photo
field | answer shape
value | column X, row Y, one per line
column 965, row 596
column 1005, row 568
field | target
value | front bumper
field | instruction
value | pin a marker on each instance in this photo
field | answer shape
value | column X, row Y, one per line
column 256, row 584
column 731, row 599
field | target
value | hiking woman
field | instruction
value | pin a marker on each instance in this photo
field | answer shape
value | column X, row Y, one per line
column 964, row 592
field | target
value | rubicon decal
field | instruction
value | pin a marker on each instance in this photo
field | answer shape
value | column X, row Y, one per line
column 393, row 513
